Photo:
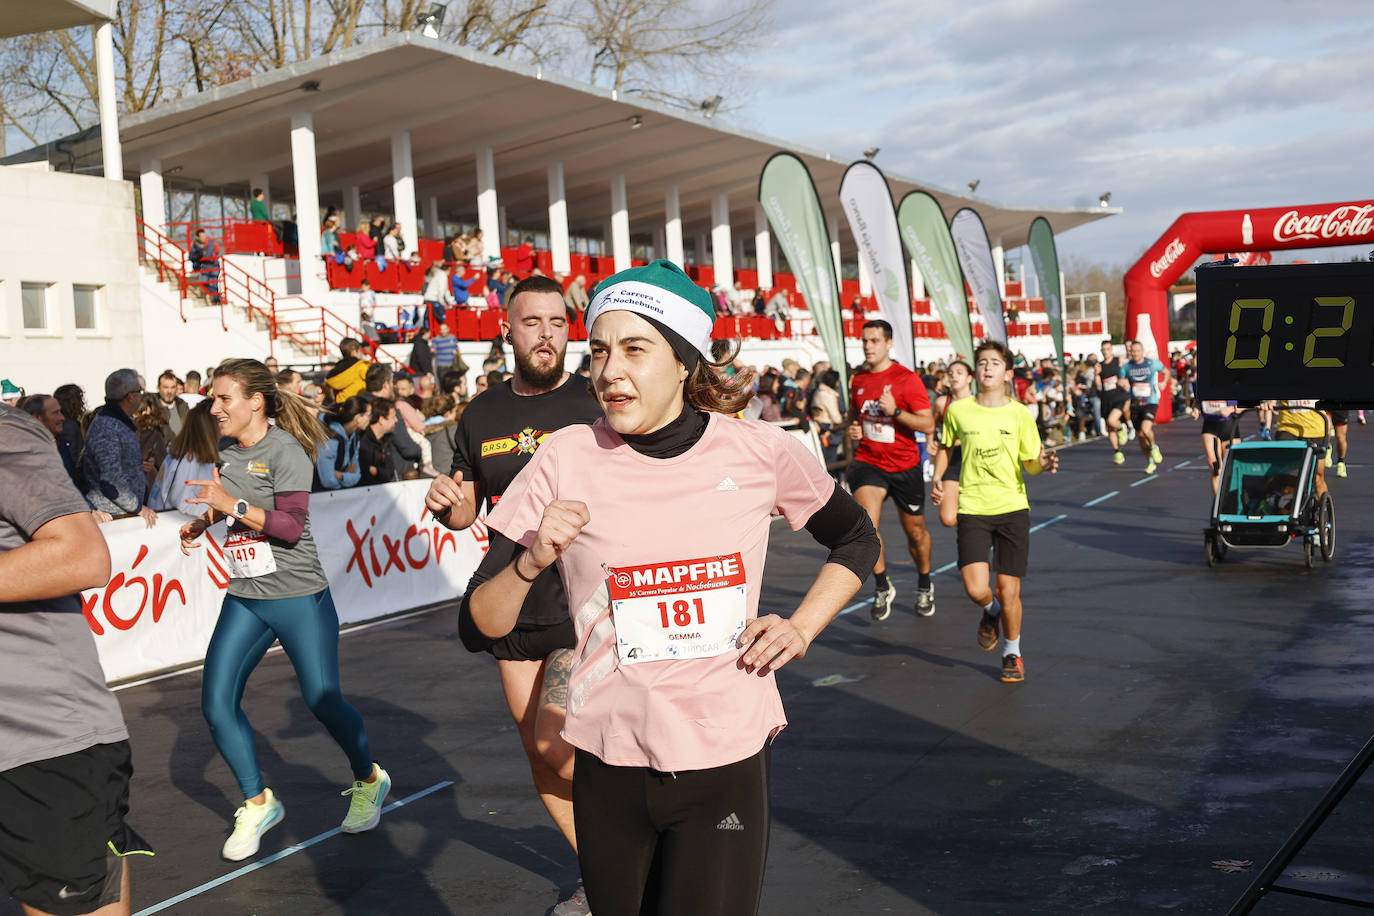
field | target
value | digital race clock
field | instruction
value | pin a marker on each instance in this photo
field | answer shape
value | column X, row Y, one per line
column 1286, row 331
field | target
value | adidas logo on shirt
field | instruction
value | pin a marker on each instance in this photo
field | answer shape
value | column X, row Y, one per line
column 732, row 821
column 727, row 484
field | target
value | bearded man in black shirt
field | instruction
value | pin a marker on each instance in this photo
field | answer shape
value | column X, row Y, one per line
column 496, row 437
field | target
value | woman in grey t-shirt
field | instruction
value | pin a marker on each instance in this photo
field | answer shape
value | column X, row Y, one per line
column 277, row 590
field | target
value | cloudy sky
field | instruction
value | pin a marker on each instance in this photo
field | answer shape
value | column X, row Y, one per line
column 1171, row 106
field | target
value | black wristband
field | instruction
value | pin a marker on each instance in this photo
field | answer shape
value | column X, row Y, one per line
column 515, row 564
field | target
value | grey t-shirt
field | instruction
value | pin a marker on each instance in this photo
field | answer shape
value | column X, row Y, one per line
column 53, row 698
column 274, row 464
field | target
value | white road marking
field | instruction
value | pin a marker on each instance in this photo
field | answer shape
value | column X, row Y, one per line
column 1101, row 499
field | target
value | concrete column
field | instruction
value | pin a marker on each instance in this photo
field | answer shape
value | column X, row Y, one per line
column 307, row 206
column 833, row 224
column 502, row 227
column 488, row 213
column 999, row 262
column 353, row 207
column 432, row 230
column 763, row 247
column 558, row 221
column 918, row 283
column 154, row 200
column 260, row 180
column 721, row 254
column 672, row 227
column 620, row 223
column 403, row 191
column 703, row 249
column 109, row 113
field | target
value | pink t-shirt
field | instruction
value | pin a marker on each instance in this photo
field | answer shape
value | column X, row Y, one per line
column 676, row 546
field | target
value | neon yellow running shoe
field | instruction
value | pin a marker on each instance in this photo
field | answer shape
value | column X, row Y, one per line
column 1150, row 467
column 250, row 823
column 365, row 808
column 1122, row 437
column 1340, row 468
column 1328, row 456
column 1118, row 458
column 1156, row 455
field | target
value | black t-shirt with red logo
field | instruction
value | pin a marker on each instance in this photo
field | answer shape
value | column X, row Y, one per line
column 885, row 444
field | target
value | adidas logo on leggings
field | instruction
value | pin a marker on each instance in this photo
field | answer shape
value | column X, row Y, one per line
column 731, row 822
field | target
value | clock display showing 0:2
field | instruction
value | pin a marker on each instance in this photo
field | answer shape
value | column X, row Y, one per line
column 1325, row 346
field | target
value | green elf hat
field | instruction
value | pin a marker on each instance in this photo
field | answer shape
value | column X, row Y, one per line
column 667, row 298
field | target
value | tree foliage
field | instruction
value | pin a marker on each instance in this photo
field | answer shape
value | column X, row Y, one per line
column 164, row 49
column 1084, row 276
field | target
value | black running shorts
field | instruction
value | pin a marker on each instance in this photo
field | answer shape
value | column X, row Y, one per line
column 534, row 644
column 906, row 488
column 1006, row 536
column 1340, row 417
column 1317, row 442
column 674, row 844
column 1224, row 429
column 1114, row 399
column 1140, row 412
column 956, row 459
column 64, row 835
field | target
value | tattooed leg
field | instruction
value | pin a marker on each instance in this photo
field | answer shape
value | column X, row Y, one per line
column 553, row 709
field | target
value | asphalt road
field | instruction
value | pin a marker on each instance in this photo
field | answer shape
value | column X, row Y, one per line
column 1173, row 716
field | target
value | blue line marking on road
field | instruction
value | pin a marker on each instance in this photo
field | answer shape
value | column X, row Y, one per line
column 867, row 602
column 278, row 856
column 1101, row 499
column 1181, row 464
column 1144, row 480
column 1062, row 515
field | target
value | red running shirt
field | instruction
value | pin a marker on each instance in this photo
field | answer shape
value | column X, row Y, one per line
column 886, row 445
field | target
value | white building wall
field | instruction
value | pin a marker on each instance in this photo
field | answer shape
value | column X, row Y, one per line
column 75, row 229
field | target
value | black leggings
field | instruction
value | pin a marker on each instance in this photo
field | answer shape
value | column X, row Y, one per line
column 663, row 844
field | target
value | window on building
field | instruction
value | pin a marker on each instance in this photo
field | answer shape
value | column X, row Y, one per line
column 86, row 301
column 35, row 297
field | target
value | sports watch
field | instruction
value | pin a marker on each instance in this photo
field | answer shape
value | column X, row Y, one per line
column 240, row 510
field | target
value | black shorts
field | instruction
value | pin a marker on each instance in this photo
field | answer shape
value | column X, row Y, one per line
column 1114, row 399
column 1318, row 442
column 956, row 460
column 534, row 644
column 1140, row 412
column 691, row 842
column 1007, row 536
column 1340, row 417
column 906, row 488
column 1225, row 429
column 64, row 834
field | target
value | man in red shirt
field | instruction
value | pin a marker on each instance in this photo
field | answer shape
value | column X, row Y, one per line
column 524, row 258
column 888, row 406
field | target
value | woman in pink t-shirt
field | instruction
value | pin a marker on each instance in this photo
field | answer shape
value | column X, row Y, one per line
column 658, row 518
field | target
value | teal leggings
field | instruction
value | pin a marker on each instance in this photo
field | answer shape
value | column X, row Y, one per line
column 308, row 628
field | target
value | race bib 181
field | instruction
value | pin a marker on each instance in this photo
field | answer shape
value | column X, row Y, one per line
column 678, row 609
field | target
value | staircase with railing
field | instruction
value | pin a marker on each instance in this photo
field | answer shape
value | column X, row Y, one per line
column 311, row 332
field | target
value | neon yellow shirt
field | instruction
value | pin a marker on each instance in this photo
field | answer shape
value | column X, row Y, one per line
column 995, row 442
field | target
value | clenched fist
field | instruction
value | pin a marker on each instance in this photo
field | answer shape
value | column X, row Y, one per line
column 562, row 522
column 444, row 493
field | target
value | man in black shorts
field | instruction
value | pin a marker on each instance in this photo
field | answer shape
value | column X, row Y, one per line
column 1115, row 397
column 1340, row 421
column 888, row 406
column 64, row 750
column 496, row 437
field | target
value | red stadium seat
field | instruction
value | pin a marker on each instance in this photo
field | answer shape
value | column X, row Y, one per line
column 490, row 324
column 383, row 281
column 467, row 325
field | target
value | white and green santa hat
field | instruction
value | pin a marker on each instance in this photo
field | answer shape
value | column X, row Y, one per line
column 668, row 299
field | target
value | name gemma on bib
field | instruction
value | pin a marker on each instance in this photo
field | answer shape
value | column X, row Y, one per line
column 678, row 609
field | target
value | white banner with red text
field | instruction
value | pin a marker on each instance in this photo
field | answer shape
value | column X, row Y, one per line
column 381, row 552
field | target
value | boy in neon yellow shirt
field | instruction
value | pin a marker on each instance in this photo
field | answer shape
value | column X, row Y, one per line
column 999, row 443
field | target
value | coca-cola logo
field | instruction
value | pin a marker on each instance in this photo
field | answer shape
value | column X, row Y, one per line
column 1348, row 221
column 1172, row 251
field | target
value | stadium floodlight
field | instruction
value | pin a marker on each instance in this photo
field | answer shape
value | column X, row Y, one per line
column 973, row 185
column 710, row 106
column 430, row 20
column 1104, row 199
column 636, row 122
column 870, row 153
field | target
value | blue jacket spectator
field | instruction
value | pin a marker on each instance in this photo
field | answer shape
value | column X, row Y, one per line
column 113, row 461
column 462, row 289
column 337, row 465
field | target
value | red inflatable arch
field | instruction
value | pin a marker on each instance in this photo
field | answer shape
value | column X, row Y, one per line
column 1195, row 234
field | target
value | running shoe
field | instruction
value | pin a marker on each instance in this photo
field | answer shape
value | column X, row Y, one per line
column 1156, row 455
column 1150, row 466
column 1360, row 416
column 1340, row 468
column 1265, row 433
column 250, row 823
column 987, row 632
column 925, row 601
column 365, row 808
column 1013, row 671
column 1118, row 458
column 882, row 601
column 574, row 905
column 1327, row 459
column 1122, row 437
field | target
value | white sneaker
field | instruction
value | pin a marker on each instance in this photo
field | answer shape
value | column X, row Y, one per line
column 250, row 823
